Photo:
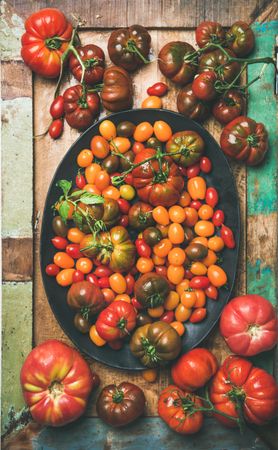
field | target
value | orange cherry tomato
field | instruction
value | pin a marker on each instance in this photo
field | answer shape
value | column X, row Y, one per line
column 200, row 240
column 91, row 172
column 123, row 298
column 92, row 189
column 182, row 286
column 178, row 326
column 163, row 230
column 144, row 265
column 216, row 276
column 111, row 192
column 177, row 214
column 100, row 147
column 176, row 256
column 188, row 299
column 162, row 130
column 75, row 235
column 176, row 233
column 95, row 337
column 155, row 312
column 120, row 144
column 196, row 187
column 175, row 274
column 152, row 102
column 172, row 301
column 162, row 248
column 85, row 158
column 108, row 294
column 117, row 283
column 204, row 228
column 198, row 315
column 185, row 199
column 150, row 375
column 143, row 132
column 216, row 243
column 198, row 268
column 64, row 277
column 191, row 216
column 85, row 265
column 63, row 260
column 158, row 261
column 102, row 180
column 200, row 298
column 160, row 215
column 182, row 313
column 205, row 212
column 108, row 130
column 210, row 259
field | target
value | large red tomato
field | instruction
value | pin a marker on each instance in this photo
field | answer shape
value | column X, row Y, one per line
column 194, row 369
column 45, row 40
column 249, row 325
column 116, row 321
column 56, row 383
column 81, row 109
column 157, row 182
column 178, row 409
column 238, row 385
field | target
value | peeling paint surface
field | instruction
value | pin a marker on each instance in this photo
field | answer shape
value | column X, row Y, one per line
column 11, row 30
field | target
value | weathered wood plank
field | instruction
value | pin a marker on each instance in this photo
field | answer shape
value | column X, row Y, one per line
column 17, row 257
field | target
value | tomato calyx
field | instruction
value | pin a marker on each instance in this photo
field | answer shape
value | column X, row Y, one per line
column 155, row 300
column 132, row 48
column 85, row 312
column 118, row 396
column 254, row 330
column 91, row 62
column 122, row 324
column 53, row 43
column 56, row 388
column 252, row 140
column 150, row 350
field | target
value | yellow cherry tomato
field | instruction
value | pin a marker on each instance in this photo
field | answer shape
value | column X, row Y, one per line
column 143, row 132
column 210, row 259
column 160, row 215
column 175, row 274
column 177, row 214
column 185, row 199
column 91, row 172
column 85, row 265
column 188, row 299
column 111, row 192
column 176, row 256
column 75, row 235
column 196, row 187
column 204, row 228
column 216, row 276
column 120, row 144
column 95, row 337
column 92, row 189
column 182, row 286
column 152, row 102
column 117, row 283
column 156, row 312
column 108, row 130
column 85, row 158
column 200, row 298
column 150, row 375
column 178, row 326
column 182, row 313
column 205, row 212
column 144, row 265
column 127, row 192
column 191, row 216
column 176, row 233
column 172, row 301
column 63, row 260
column 158, row 261
column 198, row 268
column 64, row 277
column 216, row 243
column 162, row 248
column 162, row 130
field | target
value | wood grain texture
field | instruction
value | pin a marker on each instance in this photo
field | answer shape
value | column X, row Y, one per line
column 17, row 254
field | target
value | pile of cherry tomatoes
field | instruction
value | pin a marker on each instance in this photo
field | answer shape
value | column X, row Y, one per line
column 168, row 226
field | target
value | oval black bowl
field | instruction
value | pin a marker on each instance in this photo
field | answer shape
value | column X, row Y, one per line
column 221, row 178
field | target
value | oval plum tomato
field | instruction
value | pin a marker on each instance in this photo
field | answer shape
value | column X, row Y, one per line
column 142, row 248
column 116, row 321
column 64, row 277
column 159, row 89
column 80, row 180
column 197, row 188
column 85, row 158
column 63, row 260
column 167, row 317
column 100, row 147
column 205, row 164
column 218, row 218
column 108, row 295
column 56, row 383
column 59, row 242
column 249, row 325
column 216, row 276
column 162, row 130
column 52, row 270
column 117, row 283
column 211, row 197
column 137, row 147
column 124, row 205
column 175, row 408
column 74, row 251
column 194, row 369
column 56, row 128
column 212, row 292
column 203, row 86
column 57, row 109
column 102, row 180
column 152, row 102
column 196, row 204
column 130, row 282
column 143, row 132
column 199, row 282
column 108, row 130
column 78, row 276
column 198, row 315
column 125, row 129
column 228, row 107
column 193, row 170
column 92, row 278
column 103, row 271
column 209, row 33
column 227, row 236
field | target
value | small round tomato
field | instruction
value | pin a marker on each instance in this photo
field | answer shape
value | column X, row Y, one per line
column 130, row 282
column 124, row 205
column 162, row 130
column 152, row 102
column 120, row 144
column 204, row 228
column 162, row 248
column 143, row 132
column 108, row 130
column 91, row 172
column 175, row 274
column 178, row 326
column 127, row 192
column 102, row 180
column 85, row 158
column 137, row 147
column 176, row 233
column 111, row 192
column 210, row 259
column 57, row 107
column 59, row 242
column 211, row 197
column 117, row 282
column 188, row 298
column 196, row 204
column 155, row 313
column 124, row 221
column 80, row 180
column 75, row 235
column 144, row 265
column 103, row 271
column 193, row 170
column 185, row 199
column 198, row 315
column 95, row 337
column 100, row 147
column 203, row 86
column 200, row 240
column 108, row 295
column 212, row 292
column 198, row 268
column 163, row 230
column 205, row 212
column 56, row 128
column 63, row 260
column 125, row 129
column 103, row 282
column 92, row 189
column 160, row 215
column 152, row 236
column 216, row 276
column 78, row 276
column 216, row 243
column 197, row 188
column 177, row 214
column 201, row 298
column 176, row 256
column 150, row 375
column 64, row 277
column 182, row 313
column 205, row 164
column 52, row 270
column 191, row 216
column 74, row 251
column 85, row 265
column 172, row 301
column 183, row 286
column 167, row 317
column 218, row 218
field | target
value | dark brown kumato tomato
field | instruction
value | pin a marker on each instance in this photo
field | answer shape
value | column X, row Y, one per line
column 191, row 106
column 81, row 108
column 151, row 290
column 240, row 38
column 140, row 216
column 176, row 63
column 228, row 107
column 116, row 93
column 211, row 61
column 209, row 33
column 84, row 294
column 185, row 147
column 93, row 59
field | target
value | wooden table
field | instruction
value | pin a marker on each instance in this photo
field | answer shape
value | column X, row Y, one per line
column 27, row 317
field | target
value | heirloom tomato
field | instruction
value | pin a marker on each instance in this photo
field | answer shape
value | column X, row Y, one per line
column 81, row 109
column 116, row 321
column 188, row 146
column 249, row 325
column 209, row 33
column 204, row 86
column 240, row 38
column 140, row 216
column 151, row 290
column 176, row 63
column 93, row 60
column 86, row 297
column 116, row 93
column 211, row 61
column 56, row 383
column 228, row 107
column 191, row 106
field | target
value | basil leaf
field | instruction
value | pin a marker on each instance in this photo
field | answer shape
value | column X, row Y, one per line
column 65, row 185
column 91, row 199
column 78, row 219
column 64, row 210
column 77, row 193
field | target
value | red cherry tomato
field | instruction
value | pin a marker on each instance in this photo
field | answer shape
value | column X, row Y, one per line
column 56, row 128
column 227, row 236
column 57, row 107
column 199, row 282
column 188, row 274
column 168, row 317
column 137, row 147
column 52, row 270
column 59, row 242
column 161, row 270
column 136, row 304
column 198, row 315
column 142, row 248
column 74, row 251
column 159, row 89
column 80, row 180
column 103, row 282
column 211, row 197
column 193, row 170
column 123, row 221
column 128, row 179
column 124, row 205
column 218, row 218
column 196, row 204
column 205, row 164
column 212, row 292
column 77, row 276
column 92, row 278
column 130, row 282
column 103, row 271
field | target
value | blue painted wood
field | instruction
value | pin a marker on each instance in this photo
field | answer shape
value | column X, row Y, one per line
column 145, row 434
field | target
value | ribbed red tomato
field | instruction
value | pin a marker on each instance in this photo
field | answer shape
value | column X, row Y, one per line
column 249, row 325
column 115, row 321
column 56, row 383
